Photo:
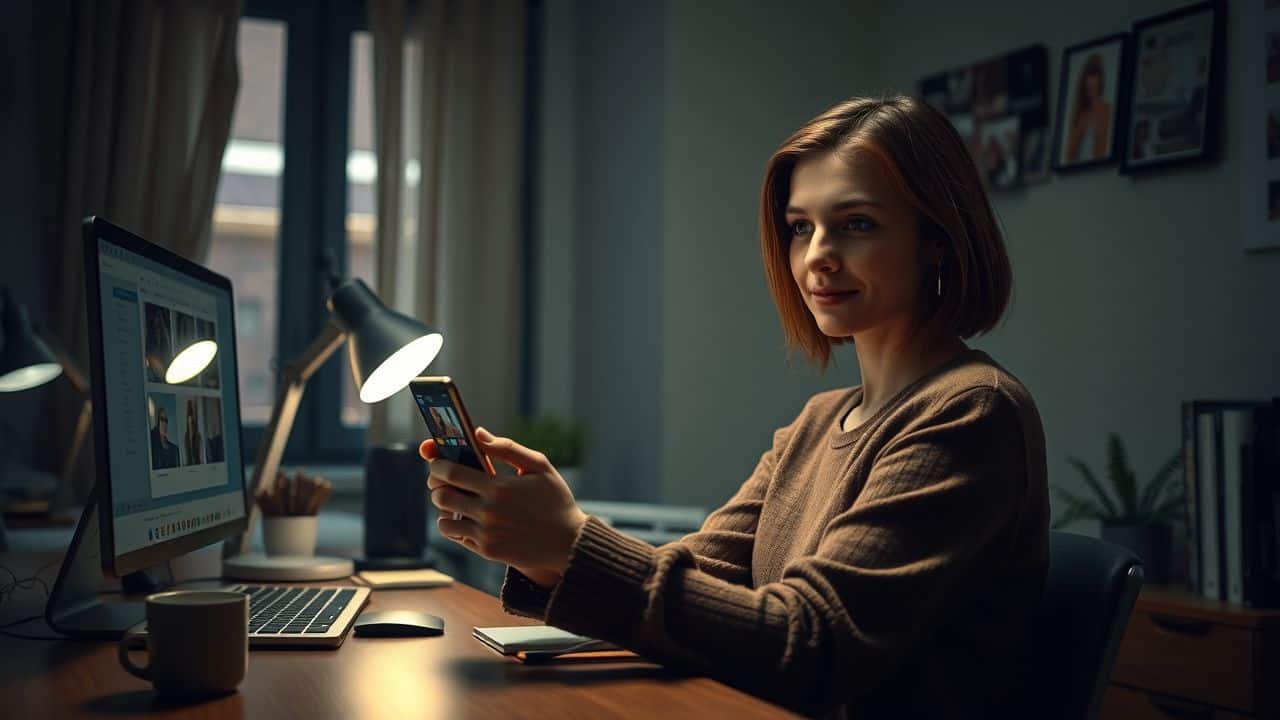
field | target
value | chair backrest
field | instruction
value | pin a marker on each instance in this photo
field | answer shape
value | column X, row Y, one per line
column 1088, row 597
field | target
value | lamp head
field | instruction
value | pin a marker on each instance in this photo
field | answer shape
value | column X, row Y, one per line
column 25, row 361
column 387, row 349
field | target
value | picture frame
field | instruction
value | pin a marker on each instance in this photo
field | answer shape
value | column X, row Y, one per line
column 999, row 107
column 1092, row 98
column 1255, row 62
column 1175, row 91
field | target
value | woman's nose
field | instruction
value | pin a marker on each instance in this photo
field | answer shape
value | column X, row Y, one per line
column 820, row 255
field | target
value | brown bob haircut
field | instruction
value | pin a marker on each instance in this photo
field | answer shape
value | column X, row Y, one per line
column 933, row 169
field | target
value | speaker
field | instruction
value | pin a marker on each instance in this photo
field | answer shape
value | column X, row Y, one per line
column 395, row 509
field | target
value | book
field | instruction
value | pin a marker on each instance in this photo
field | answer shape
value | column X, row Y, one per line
column 1262, row 510
column 1231, row 454
column 1190, row 489
column 393, row 579
column 1235, row 433
column 1207, row 502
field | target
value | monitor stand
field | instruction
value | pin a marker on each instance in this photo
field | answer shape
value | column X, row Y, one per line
column 76, row 606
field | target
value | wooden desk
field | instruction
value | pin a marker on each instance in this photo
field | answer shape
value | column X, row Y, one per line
column 452, row 676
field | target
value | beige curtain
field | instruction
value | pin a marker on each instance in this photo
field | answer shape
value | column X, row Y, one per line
column 449, row 94
column 148, row 93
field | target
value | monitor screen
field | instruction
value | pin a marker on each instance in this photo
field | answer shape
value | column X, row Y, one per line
column 173, row 463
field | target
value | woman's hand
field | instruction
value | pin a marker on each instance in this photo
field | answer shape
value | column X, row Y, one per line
column 528, row 520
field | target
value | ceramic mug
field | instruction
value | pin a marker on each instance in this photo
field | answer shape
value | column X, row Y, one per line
column 197, row 640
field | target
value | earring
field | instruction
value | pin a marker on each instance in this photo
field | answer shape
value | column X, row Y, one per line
column 939, row 278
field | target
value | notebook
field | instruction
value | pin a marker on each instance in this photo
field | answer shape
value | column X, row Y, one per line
column 511, row 640
column 391, row 579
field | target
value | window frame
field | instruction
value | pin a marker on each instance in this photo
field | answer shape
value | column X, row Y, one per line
column 313, row 206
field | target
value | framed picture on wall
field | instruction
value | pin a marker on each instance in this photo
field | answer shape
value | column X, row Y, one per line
column 1090, row 103
column 1255, row 61
column 1176, row 91
column 999, row 107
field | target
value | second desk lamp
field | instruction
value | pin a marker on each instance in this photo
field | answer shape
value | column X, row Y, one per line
column 387, row 350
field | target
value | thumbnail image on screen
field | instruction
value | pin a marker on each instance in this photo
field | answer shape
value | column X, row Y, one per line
column 159, row 341
column 445, row 426
column 163, row 408
column 213, row 443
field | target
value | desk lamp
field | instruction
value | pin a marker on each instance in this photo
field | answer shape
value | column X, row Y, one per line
column 386, row 351
column 27, row 361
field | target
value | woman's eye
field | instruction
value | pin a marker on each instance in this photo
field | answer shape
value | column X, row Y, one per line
column 858, row 224
column 801, row 227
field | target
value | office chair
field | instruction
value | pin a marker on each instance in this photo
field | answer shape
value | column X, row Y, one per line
column 1088, row 597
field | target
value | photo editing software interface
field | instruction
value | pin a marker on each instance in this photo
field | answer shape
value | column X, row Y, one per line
column 173, row 447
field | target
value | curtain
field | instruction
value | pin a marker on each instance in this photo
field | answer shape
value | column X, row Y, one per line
column 449, row 95
column 144, row 92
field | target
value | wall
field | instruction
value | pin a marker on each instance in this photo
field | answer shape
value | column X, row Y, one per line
column 741, row 77
column 656, row 123
column 1131, row 293
column 599, row 234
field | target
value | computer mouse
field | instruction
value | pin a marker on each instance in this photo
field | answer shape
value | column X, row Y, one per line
column 398, row 623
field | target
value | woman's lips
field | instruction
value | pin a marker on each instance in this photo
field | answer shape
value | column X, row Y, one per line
column 833, row 298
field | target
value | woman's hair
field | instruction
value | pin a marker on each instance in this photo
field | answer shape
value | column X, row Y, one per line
column 1092, row 66
column 931, row 166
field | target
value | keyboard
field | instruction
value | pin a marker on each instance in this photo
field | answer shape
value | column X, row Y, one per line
column 301, row 616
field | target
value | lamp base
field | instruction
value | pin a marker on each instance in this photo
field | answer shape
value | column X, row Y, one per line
column 286, row 568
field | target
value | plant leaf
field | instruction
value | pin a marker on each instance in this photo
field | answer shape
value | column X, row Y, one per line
column 1122, row 477
column 1151, row 494
column 1077, row 509
column 1092, row 481
column 1172, row 510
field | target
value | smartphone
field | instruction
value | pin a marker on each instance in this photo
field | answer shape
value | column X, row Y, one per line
column 447, row 420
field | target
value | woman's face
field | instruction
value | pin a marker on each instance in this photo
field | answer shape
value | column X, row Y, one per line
column 1093, row 86
column 855, row 244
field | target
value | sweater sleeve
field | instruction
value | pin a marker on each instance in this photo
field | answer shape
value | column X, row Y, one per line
column 721, row 547
column 841, row 620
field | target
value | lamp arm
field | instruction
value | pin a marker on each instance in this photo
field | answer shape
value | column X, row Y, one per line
column 69, row 366
column 64, row 493
column 294, row 377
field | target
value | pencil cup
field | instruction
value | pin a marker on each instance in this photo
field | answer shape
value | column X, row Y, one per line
column 289, row 534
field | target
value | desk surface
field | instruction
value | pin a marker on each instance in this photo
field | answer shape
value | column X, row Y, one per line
column 452, row 676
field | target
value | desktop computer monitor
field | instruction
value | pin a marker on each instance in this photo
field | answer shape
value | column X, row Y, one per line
column 168, row 447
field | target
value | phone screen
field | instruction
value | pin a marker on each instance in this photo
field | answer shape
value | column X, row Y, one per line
column 444, row 422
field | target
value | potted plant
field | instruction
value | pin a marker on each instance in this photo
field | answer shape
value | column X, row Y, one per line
column 1138, row 518
column 560, row 440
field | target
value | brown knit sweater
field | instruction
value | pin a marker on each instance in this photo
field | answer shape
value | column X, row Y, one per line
column 885, row 571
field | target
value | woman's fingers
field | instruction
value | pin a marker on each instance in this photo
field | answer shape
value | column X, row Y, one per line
column 428, row 449
column 462, row 531
column 469, row 479
column 452, row 499
column 509, row 451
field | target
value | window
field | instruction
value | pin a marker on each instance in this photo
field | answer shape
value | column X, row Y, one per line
column 361, row 221
column 246, row 215
column 296, row 191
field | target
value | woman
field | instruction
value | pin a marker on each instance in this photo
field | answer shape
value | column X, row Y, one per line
column 1089, row 133
column 887, row 552
column 193, row 442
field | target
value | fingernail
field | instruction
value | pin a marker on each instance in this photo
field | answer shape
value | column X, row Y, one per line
column 483, row 434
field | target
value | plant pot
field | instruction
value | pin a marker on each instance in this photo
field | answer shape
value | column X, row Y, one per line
column 1149, row 542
